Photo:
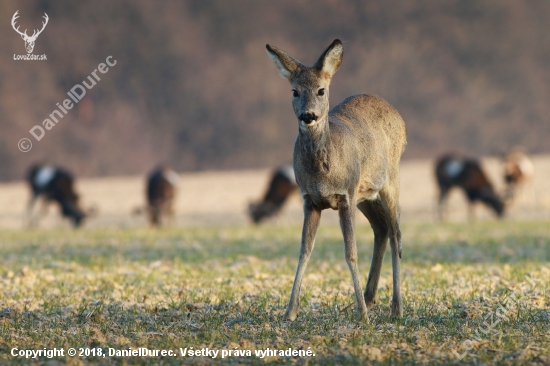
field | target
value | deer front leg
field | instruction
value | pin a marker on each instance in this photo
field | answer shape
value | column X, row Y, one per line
column 346, row 211
column 312, row 216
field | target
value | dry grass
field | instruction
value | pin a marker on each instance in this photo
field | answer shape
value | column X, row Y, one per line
column 214, row 281
column 227, row 287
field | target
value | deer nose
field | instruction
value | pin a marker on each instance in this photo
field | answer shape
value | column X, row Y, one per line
column 308, row 117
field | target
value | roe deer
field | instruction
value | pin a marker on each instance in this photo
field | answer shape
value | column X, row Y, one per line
column 453, row 170
column 346, row 157
column 54, row 184
column 161, row 192
column 281, row 186
column 518, row 172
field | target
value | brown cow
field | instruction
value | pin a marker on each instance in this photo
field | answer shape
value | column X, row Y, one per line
column 453, row 170
column 518, row 172
column 281, row 186
column 161, row 192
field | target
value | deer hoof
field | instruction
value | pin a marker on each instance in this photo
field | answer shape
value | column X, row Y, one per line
column 397, row 311
column 290, row 315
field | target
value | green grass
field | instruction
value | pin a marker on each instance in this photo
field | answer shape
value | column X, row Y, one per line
column 227, row 288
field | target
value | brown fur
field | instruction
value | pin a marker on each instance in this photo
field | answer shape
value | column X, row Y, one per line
column 518, row 171
column 454, row 170
column 60, row 189
column 281, row 186
column 346, row 157
column 161, row 193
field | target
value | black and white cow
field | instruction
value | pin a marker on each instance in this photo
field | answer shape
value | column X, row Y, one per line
column 54, row 184
column 453, row 170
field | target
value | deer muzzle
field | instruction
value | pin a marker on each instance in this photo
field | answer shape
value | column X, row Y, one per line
column 308, row 118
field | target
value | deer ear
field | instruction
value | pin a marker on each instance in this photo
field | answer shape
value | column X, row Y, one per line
column 288, row 66
column 331, row 59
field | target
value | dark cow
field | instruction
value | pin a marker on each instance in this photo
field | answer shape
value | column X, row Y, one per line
column 161, row 192
column 54, row 184
column 453, row 170
column 518, row 172
column 281, row 186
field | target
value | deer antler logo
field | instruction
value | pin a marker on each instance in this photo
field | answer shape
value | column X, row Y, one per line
column 29, row 41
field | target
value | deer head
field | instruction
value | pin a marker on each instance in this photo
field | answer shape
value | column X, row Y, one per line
column 29, row 41
column 309, row 84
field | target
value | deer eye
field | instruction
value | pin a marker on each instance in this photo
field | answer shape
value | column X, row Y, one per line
column 321, row 91
column 294, row 93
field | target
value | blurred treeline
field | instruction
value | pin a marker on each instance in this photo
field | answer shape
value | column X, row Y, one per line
column 193, row 86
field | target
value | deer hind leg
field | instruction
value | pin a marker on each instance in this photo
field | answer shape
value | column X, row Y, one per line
column 390, row 199
column 375, row 212
column 346, row 211
column 312, row 216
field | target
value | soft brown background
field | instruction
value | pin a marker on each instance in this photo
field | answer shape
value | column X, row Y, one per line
column 194, row 87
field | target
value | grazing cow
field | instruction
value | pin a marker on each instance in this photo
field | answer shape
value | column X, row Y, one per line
column 453, row 170
column 54, row 184
column 161, row 192
column 518, row 172
column 281, row 186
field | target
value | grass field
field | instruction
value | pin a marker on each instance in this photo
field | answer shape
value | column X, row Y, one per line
column 474, row 294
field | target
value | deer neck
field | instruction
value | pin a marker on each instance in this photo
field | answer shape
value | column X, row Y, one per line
column 315, row 145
